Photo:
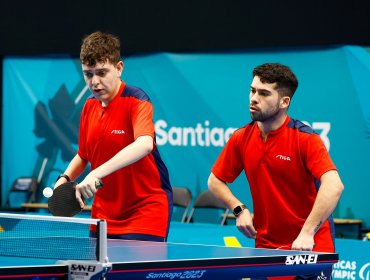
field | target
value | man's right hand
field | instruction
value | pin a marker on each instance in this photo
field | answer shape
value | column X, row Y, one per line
column 244, row 223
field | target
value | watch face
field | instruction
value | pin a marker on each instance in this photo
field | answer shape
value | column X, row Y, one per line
column 237, row 210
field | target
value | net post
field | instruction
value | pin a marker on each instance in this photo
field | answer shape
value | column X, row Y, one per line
column 102, row 253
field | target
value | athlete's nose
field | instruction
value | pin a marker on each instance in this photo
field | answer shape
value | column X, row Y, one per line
column 95, row 80
column 253, row 99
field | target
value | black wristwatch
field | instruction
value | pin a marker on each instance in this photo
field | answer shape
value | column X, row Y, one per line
column 64, row 176
column 238, row 209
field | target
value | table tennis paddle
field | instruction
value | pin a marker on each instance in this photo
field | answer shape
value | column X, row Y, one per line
column 63, row 202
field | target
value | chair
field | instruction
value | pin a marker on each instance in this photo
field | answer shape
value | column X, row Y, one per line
column 208, row 200
column 182, row 198
column 27, row 186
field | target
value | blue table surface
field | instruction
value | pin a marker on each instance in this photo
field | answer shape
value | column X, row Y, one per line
column 120, row 251
column 144, row 259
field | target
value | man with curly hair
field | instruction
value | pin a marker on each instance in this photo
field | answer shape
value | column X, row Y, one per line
column 294, row 184
column 117, row 139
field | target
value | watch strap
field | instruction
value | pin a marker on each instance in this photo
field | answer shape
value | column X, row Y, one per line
column 63, row 176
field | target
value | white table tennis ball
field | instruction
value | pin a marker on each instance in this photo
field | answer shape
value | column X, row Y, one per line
column 47, row 192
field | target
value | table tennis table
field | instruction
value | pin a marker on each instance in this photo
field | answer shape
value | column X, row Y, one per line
column 155, row 260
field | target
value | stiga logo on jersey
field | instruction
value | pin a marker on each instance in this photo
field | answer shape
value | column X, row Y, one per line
column 301, row 259
column 283, row 157
column 117, row 131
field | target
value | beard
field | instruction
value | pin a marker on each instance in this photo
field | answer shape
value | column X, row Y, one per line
column 268, row 115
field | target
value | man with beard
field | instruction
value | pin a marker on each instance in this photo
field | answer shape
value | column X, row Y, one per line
column 294, row 184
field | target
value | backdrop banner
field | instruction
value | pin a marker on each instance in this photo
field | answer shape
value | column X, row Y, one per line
column 199, row 100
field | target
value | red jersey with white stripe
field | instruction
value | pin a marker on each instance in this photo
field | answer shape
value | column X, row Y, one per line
column 283, row 173
column 138, row 197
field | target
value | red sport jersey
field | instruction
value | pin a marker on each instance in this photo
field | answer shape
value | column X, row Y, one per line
column 137, row 198
column 283, row 174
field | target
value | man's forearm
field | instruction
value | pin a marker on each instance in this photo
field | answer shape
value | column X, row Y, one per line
column 75, row 168
column 327, row 199
column 128, row 155
column 222, row 192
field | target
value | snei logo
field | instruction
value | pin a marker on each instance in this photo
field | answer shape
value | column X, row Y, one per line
column 117, row 131
column 81, row 270
column 283, row 157
column 301, row 259
column 81, row 267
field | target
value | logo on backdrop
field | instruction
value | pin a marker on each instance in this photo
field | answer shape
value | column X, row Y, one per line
column 348, row 270
column 58, row 130
column 203, row 134
column 365, row 272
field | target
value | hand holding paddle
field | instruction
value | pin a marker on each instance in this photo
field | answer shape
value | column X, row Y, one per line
column 87, row 188
column 66, row 200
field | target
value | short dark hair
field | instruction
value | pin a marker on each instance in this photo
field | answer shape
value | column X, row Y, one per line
column 99, row 47
column 282, row 75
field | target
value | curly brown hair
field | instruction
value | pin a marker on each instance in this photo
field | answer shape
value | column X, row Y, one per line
column 282, row 75
column 100, row 47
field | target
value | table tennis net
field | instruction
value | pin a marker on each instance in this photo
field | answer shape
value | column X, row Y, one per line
column 51, row 237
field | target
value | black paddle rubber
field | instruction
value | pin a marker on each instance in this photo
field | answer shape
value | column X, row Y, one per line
column 63, row 202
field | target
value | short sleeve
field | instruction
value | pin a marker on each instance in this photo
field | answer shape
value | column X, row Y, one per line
column 229, row 165
column 142, row 118
column 316, row 157
column 82, row 135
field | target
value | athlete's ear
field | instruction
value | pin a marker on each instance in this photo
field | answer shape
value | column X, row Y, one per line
column 119, row 68
column 284, row 102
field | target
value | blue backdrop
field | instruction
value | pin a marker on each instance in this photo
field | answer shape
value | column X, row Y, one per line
column 199, row 100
